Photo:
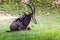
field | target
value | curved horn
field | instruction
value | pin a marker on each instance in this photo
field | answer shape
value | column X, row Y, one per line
column 30, row 7
column 33, row 7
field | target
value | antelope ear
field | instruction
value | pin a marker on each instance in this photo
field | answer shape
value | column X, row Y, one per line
column 27, row 13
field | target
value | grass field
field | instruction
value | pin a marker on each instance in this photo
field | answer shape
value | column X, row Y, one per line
column 47, row 28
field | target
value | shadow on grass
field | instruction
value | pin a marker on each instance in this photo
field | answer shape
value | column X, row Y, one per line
column 11, row 31
column 8, row 31
column 16, row 30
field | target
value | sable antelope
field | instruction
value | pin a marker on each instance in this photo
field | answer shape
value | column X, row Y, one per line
column 23, row 21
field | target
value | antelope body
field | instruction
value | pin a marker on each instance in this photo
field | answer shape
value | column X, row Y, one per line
column 23, row 21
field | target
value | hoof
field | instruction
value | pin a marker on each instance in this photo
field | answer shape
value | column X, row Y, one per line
column 28, row 28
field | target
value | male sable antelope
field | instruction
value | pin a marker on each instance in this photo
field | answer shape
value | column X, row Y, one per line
column 23, row 21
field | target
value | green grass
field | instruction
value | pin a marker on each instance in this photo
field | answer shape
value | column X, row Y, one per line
column 47, row 28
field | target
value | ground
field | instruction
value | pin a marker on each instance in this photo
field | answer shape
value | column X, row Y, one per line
column 47, row 28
